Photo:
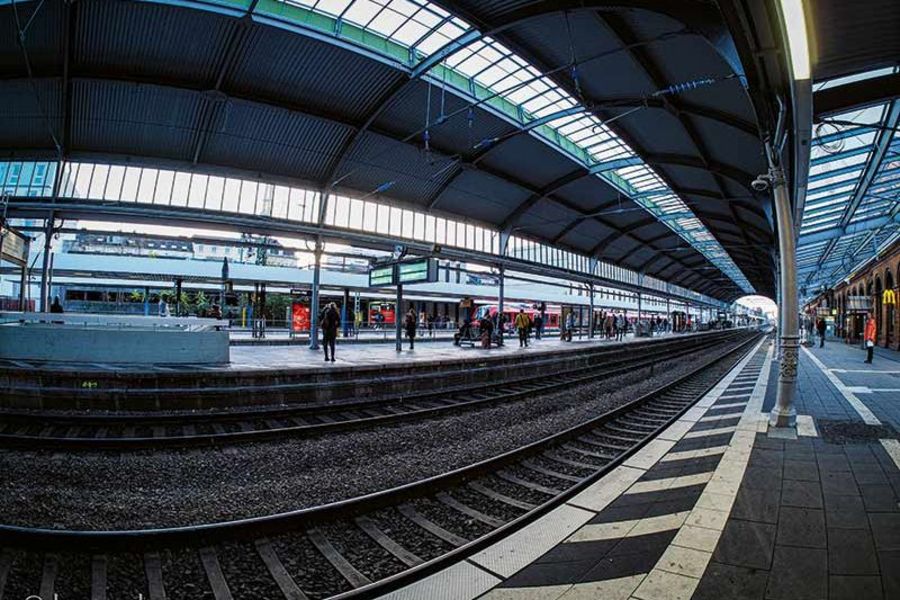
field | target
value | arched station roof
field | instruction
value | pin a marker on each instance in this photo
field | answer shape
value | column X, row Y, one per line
column 619, row 130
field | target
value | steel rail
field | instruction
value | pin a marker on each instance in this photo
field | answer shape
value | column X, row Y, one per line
column 57, row 540
column 570, row 377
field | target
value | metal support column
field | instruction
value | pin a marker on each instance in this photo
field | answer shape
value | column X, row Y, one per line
column 779, row 323
column 398, row 318
column 146, row 301
column 783, row 413
column 346, row 319
column 44, row 300
column 24, row 280
column 500, row 305
column 638, row 327
column 314, row 298
column 591, row 316
column 178, row 283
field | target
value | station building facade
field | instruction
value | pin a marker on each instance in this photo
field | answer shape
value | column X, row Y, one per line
column 873, row 287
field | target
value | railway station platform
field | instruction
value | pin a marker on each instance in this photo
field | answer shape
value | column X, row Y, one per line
column 718, row 506
column 297, row 356
column 279, row 374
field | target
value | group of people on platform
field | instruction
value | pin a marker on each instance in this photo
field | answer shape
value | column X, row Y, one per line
column 870, row 334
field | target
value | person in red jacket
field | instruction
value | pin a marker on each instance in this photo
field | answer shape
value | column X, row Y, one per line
column 869, row 336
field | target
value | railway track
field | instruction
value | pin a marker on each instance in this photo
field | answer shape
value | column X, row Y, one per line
column 121, row 431
column 364, row 546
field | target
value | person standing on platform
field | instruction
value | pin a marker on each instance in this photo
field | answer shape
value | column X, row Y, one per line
column 820, row 329
column 430, row 321
column 410, row 326
column 621, row 325
column 331, row 322
column 56, row 307
column 538, row 325
column 522, row 325
column 570, row 325
column 486, row 327
column 870, row 334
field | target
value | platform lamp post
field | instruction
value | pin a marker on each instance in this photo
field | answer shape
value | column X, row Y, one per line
column 314, row 297
column 783, row 413
column 398, row 319
column 591, row 314
column 501, row 300
column 225, row 275
column 45, row 265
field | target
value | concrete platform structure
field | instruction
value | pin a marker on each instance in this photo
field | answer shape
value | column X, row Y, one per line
column 80, row 340
column 719, row 506
column 268, row 375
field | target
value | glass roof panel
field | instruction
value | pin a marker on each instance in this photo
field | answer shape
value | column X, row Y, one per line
column 844, row 149
column 426, row 28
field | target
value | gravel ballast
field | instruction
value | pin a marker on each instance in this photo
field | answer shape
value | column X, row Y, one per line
column 186, row 487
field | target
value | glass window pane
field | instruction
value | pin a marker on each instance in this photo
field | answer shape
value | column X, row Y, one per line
column 296, row 205
column 114, row 183
column 248, row 197
column 265, row 199
column 407, row 229
column 163, row 193
column 147, row 186
column 180, row 189
column 130, row 185
column 197, row 191
column 98, row 181
column 214, row 191
column 396, row 221
column 384, row 219
column 356, row 214
column 232, row 196
column 419, row 229
column 280, row 203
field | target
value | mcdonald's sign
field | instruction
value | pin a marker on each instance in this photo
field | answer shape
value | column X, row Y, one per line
column 888, row 297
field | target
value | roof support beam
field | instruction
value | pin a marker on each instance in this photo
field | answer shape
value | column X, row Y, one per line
column 620, row 28
column 858, row 94
column 213, row 98
column 68, row 41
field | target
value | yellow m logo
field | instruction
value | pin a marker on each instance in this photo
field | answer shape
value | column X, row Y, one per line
column 888, row 297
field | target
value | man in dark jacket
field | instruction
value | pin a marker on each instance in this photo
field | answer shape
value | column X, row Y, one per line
column 410, row 326
column 331, row 322
column 820, row 329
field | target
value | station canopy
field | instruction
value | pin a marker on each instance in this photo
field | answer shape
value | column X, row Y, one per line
column 852, row 206
column 622, row 131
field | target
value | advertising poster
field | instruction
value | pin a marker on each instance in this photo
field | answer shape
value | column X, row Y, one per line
column 299, row 317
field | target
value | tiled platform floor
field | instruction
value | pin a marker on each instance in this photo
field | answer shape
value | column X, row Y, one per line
column 717, row 508
column 875, row 386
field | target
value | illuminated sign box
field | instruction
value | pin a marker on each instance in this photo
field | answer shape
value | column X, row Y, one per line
column 381, row 276
column 15, row 246
column 423, row 270
column 419, row 271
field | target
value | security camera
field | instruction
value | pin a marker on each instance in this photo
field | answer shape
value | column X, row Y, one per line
column 760, row 184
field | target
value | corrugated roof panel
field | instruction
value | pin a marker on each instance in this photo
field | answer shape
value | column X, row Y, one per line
column 401, row 171
column 177, row 44
column 133, row 119
column 274, row 141
column 489, row 199
column 453, row 127
column 299, row 70
column 43, row 39
column 26, row 111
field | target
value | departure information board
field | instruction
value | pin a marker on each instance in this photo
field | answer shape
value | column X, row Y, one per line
column 381, row 276
column 420, row 270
